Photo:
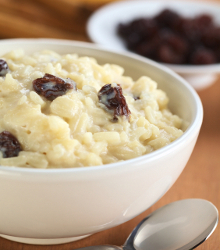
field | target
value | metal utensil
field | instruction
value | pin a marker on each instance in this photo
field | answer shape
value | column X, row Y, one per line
column 181, row 225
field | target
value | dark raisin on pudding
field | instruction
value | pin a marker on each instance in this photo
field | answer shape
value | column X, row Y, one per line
column 112, row 97
column 3, row 67
column 9, row 145
column 52, row 87
column 171, row 38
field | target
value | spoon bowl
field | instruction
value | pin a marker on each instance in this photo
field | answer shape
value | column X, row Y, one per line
column 181, row 225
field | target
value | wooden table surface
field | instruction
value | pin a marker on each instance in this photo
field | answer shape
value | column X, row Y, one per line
column 200, row 178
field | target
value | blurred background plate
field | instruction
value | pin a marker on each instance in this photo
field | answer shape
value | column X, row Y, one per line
column 102, row 29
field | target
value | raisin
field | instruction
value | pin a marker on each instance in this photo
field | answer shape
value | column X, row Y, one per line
column 178, row 44
column 9, row 145
column 217, row 53
column 52, row 87
column 148, row 48
column 3, row 67
column 167, row 54
column 172, row 48
column 203, row 56
column 113, row 99
column 204, row 20
column 167, row 18
column 211, row 37
column 171, row 38
column 136, row 31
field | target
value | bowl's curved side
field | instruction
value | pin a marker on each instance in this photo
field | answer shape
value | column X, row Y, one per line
column 73, row 202
column 67, row 207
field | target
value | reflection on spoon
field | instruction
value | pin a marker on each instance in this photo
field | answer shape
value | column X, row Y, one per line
column 181, row 225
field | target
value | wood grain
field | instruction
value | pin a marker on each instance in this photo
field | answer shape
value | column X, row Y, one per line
column 200, row 178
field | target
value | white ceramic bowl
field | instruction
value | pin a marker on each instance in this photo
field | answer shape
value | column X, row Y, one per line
column 60, row 205
column 102, row 25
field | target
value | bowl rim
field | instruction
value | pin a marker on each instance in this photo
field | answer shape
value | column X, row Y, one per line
column 179, row 68
column 190, row 132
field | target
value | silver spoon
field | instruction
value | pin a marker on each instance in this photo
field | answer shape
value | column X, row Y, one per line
column 181, row 225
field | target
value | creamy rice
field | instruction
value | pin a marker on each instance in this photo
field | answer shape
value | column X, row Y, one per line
column 76, row 129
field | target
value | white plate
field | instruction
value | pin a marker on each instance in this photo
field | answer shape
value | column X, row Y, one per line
column 102, row 29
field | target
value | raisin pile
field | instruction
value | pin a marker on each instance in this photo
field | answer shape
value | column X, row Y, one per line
column 9, row 145
column 113, row 99
column 51, row 86
column 3, row 67
column 171, row 38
